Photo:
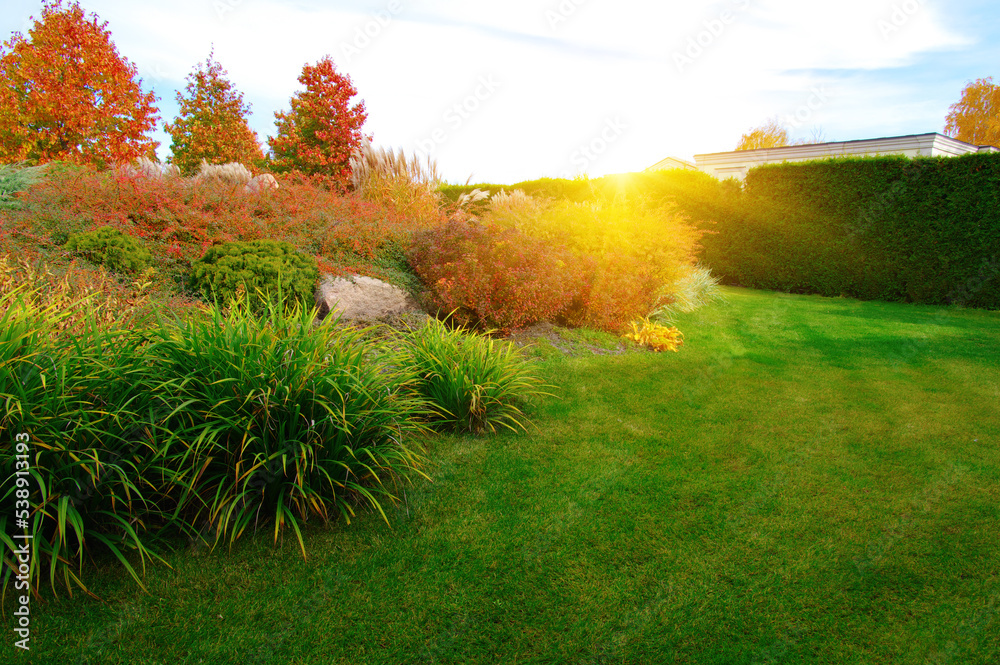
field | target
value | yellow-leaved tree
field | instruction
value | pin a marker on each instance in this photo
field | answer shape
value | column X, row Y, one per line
column 975, row 118
column 772, row 134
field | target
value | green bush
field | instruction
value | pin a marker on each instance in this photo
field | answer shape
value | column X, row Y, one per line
column 76, row 406
column 260, row 268
column 697, row 195
column 696, row 289
column 283, row 420
column 110, row 248
column 925, row 230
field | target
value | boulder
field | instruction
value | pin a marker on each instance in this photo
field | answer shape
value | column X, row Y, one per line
column 358, row 297
column 261, row 182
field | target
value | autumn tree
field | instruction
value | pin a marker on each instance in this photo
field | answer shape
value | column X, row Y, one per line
column 772, row 134
column 323, row 128
column 975, row 118
column 212, row 123
column 66, row 93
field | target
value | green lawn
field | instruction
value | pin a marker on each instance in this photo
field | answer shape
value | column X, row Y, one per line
column 809, row 480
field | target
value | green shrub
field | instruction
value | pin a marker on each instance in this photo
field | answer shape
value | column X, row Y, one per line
column 694, row 290
column 699, row 196
column 109, row 247
column 76, row 405
column 16, row 178
column 881, row 228
column 259, row 268
column 473, row 382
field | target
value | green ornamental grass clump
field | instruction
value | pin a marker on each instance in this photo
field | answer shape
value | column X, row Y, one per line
column 256, row 267
column 111, row 248
column 283, row 420
column 213, row 428
column 472, row 382
column 76, row 404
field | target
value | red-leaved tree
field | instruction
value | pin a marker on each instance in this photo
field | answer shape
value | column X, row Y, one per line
column 66, row 94
column 322, row 129
column 212, row 123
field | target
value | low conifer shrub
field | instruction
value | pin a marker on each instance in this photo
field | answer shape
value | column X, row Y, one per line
column 110, row 248
column 259, row 268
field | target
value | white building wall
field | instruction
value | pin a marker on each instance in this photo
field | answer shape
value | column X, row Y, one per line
column 735, row 164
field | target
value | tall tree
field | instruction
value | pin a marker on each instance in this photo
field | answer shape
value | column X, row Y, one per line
column 975, row 118
column 212, row 123
column 772, row 134
column 66, row 93
column 322, row 129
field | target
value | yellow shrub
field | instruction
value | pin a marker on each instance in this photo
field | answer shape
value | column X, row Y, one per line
column 655, row 336
column 404, row 182
column 414, row 200
column 630, row 251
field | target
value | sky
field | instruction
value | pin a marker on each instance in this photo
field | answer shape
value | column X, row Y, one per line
column 503, row 92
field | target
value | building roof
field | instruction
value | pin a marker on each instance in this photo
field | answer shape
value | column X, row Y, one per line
column 736, row 163
column 671, row 163
column 887, row 144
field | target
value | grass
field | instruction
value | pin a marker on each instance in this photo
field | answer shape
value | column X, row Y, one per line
column 809, row 480
column 474, row 382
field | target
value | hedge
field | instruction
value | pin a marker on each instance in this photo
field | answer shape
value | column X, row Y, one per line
column 925, row 230
column 699, row 196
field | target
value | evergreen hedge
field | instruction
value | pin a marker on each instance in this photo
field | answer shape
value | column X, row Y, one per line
column 925, row 230
column 699, row 196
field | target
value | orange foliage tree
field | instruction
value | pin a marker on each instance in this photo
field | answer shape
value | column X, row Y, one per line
column 772, row 134
column 975, row 118
column 323, row 129
column 66, row 94
column 212, row 122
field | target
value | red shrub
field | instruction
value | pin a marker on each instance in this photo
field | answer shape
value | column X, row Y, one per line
column 490, row 277
column 180, row 218
column 612, row 291
column 628, row 252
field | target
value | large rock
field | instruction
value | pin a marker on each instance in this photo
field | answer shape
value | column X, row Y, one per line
column 260, row 183
column 360, row 297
